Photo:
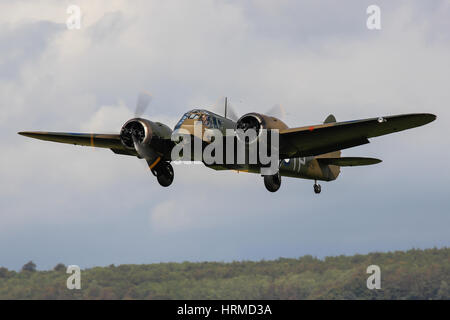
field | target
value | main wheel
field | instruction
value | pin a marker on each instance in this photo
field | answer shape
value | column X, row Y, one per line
column 164, row 174
column 273, row 182
column 317, row 188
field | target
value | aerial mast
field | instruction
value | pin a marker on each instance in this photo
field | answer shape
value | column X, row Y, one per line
column 226, row 103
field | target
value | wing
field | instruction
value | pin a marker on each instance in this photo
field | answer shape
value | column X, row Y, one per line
column 110, row 141
column 328, row 137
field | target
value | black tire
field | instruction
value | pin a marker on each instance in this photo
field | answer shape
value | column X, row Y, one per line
column 165, row 174
column 317, row 188
column 273, row 183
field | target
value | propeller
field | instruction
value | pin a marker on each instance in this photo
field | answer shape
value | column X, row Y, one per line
column 277, row 111
column 145, row 153
column 143, row 101
column 223, row 105
column 141, row 151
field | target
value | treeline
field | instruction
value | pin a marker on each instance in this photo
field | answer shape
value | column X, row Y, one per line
column 414, row 274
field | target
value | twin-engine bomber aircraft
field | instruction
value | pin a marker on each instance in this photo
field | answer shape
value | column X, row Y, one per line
column 309, row 152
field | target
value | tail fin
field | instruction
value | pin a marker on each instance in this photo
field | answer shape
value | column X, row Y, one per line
column 330, row 119
column 334, row 170
column 334, row 154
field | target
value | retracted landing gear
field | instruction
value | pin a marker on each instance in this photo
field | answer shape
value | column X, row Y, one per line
column 164, row 173
column 317, row 187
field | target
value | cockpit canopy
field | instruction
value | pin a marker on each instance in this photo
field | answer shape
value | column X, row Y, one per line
column 208, row 119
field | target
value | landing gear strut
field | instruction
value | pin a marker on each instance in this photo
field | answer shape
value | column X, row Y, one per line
column 317, row 187
column 164, row 173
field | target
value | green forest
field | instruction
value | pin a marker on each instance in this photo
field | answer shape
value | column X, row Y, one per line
column 412, row 274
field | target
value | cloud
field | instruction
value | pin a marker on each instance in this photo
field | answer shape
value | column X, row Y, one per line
column 108, row 119
column 172, row 215
column 313, row 59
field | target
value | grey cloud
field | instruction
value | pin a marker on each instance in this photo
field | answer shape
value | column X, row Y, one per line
column 90, row 207
column 24, row 44
column 109, row 26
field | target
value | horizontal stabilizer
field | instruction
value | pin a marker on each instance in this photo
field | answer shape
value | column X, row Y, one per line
column 349, row 161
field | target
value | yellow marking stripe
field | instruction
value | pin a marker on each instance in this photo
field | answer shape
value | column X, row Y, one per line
column 92, row 140
column 240, row 170
column 154, row 163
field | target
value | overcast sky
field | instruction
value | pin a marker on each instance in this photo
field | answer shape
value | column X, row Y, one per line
column 83, row 206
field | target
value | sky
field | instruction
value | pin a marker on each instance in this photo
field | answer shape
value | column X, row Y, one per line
column 90, row 207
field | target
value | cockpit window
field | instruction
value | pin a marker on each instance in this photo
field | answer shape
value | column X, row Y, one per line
column 207, row 119
column 189, row 115
column 215, row 123
column 181, row 121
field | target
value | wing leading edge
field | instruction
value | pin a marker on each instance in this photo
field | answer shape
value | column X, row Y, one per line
column 328, row 137
column 109, row 141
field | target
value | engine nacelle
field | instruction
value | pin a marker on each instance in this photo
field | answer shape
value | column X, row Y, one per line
column 147, row 133
column 257, row 122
